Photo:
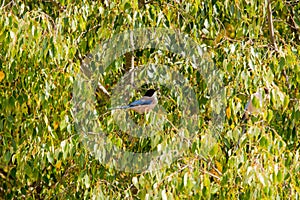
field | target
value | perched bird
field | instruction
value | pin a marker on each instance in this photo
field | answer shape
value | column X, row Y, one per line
column 145, row 104
column 252, row 109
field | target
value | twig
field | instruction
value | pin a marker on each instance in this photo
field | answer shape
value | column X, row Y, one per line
column 86, row 71
column 211, row 164
column 271, row 26
column 143, row 2
column 3, row 2
column 129, row 60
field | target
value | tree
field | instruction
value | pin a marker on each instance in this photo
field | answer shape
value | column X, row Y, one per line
column 45, row 44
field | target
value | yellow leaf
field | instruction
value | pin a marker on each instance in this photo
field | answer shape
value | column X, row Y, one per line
column 232, row 126
column 228, row 112
column 2, row 75
column 55, row 125
column 235, row 119
column 230, row 31
column 58, row 164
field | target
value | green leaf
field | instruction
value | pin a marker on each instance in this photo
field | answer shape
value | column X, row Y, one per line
column 49, row 157
column 269, row 116
column 256, row 102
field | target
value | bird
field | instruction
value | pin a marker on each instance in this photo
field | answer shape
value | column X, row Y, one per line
column 251, row 109
column 143, row 105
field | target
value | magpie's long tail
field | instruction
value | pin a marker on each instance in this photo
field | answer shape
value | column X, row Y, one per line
column 118, row 108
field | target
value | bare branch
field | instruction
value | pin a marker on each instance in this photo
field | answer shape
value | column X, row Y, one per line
column 129, row 60
column 271, row 26
column 85, row 70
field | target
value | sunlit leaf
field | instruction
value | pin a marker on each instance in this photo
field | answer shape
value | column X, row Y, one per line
column 2, row 75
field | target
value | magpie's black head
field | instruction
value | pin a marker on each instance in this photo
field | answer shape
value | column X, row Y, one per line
column 266, row 90
column 150, row 92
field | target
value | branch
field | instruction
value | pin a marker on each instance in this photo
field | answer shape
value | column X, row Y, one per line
column 129, row 60
column 271, row 26
column 86, row 71
column 291, row 22
column 143, row 2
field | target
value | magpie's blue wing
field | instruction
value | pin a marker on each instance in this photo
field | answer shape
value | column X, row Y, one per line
column 140, row 102
column 247, row 105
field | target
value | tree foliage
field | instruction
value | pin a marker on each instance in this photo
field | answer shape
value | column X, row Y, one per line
column 43, row 47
